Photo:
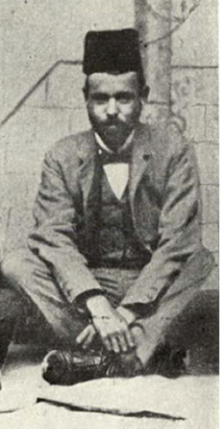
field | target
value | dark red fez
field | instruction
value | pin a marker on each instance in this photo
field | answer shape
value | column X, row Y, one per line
column 112, row 51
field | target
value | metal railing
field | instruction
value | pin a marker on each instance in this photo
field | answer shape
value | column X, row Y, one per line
column 18, row 106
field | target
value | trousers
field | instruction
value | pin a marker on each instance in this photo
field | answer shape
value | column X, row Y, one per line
column 183, row 317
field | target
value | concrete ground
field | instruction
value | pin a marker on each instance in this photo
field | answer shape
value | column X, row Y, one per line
column 189, row 402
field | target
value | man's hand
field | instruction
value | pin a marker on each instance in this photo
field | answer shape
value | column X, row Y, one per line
column 110, row 325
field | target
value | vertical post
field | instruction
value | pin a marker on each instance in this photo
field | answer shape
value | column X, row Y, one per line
column 153, row 21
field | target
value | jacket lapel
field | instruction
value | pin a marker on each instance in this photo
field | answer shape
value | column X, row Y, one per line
column 89, row 179
column 87, row 156
column 141, row 165
column 140, row 161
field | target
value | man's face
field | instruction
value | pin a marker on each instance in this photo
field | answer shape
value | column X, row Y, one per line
column 114, row 106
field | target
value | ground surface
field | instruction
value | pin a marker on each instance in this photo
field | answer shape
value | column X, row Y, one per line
column 193, row 398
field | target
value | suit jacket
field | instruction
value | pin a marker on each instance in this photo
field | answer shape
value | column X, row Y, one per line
column 165, row 206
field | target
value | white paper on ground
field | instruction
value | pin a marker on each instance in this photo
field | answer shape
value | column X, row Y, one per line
column 192, row 398
column 155, row 395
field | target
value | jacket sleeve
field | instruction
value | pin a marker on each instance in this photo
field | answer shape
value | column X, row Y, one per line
column 178, row 230
column 55, row 234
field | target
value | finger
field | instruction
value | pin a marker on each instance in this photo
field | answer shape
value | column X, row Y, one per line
column 82, row 336
column 129, row 339
column 107, row 344
column 122, row 340
column 100, row 329
column 115, row 344
column 88, row 341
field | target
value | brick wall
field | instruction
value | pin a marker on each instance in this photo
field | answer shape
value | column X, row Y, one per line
column 36, row 34
column 46, row 117
column 194, row 96
column 180, row 51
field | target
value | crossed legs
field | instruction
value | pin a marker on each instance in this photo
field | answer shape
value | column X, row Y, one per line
column 30, row 276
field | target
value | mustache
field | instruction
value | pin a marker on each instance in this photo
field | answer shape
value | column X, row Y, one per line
column 114, row 122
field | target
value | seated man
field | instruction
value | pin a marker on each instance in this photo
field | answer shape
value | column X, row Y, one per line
column 115, row 257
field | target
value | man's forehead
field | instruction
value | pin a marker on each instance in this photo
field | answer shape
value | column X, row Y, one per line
column 113, row 80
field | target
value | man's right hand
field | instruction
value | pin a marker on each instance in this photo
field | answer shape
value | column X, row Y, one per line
column 110, row 325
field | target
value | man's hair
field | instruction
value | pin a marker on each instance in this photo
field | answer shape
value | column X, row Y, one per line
column 141, row 82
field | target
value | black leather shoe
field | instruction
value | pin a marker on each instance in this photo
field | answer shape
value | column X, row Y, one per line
column 68, row 368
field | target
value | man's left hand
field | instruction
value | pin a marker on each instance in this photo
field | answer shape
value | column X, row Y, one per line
column 87, row 336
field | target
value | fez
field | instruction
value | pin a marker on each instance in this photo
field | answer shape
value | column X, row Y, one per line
column 115, row 51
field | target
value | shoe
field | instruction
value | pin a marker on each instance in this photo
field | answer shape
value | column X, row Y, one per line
column 68, row 368
column 125, row 365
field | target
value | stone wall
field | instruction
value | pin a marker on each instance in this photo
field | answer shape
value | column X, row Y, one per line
column 55, row 110
column 180, row 51
column 34, row 35
column 194, row 97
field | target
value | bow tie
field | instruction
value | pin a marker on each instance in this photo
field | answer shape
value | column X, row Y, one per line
column 108, row 158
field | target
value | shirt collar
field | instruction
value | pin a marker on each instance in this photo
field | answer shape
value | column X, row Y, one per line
column 103, row 146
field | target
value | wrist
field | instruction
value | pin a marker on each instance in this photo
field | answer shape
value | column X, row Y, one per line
column 94, row 305
column 81, row 300
column 128, row 315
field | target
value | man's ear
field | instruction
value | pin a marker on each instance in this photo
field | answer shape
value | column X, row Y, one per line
column 145, row 93
column 85, row 93
column 85, row 88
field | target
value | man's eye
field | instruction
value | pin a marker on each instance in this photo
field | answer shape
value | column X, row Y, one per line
column 100, row 98
column 124, row 98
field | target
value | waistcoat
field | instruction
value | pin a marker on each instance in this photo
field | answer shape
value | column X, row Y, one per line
column 117, row 243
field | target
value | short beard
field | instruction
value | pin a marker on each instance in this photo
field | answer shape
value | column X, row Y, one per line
column 114, row 140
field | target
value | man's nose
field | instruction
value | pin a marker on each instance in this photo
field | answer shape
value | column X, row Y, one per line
column 112, row 109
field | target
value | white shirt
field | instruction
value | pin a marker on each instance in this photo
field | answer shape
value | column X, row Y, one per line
column 117, row 173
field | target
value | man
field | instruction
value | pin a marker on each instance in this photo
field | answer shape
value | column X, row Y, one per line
column 115, row 257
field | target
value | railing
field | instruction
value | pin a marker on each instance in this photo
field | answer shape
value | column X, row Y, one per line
column 35, row 87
